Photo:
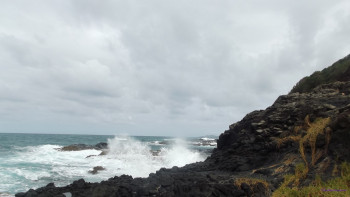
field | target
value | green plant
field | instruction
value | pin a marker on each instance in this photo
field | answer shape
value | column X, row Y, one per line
column 337, row 72
column 300, row 173
column 313, row 130
column 339, row 186
column 316, row 128
column 252, row 182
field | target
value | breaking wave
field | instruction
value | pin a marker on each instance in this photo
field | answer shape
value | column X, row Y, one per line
column 35, row 166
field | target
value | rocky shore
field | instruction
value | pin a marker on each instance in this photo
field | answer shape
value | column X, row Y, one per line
column 254, row 155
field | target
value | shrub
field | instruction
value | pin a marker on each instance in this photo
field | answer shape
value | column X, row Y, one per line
column 339, row 186
column 339, row 71
column 313, row 130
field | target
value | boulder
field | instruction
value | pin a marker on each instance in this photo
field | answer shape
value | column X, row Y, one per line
column 96, row 169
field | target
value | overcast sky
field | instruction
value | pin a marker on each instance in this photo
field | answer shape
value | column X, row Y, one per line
column 158, row 67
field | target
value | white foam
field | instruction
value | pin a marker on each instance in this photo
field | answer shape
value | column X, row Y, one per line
column 6, row 195
column 135, row 158
column 179, row 155
column 36, row 166
column 155, row 143
column 207, row 139
column 32, row 175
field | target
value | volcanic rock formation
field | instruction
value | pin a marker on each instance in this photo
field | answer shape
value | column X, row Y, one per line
column 305, row 132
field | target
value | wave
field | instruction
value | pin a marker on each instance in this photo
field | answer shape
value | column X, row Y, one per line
column 136, row 158
column 35, row 166
column 203, row 142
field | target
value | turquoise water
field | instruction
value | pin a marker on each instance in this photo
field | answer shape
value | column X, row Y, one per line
column 34, row 160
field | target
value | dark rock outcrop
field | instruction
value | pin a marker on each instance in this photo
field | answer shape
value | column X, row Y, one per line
column 251, row 156
column 96, row 169
column 79, row 147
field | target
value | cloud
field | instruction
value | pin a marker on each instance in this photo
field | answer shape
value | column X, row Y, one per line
column 157, row 67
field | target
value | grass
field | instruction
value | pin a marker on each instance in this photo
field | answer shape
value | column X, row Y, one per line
column 318, row 127
column 252, row 182
column 290, row 159
column 300, row 173
column 339, row 186
column 335, row 170
column 294, row 180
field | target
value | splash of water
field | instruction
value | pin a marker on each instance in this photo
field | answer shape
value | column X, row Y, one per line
column 36, row 166
column 135, row 158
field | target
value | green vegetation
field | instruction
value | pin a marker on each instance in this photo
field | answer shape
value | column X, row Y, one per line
column 339, row 186
column 318, row 127
column 314, row 129
column 252, row 182
column 339, row 71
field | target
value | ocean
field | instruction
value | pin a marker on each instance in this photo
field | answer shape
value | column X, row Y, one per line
column 34, row 160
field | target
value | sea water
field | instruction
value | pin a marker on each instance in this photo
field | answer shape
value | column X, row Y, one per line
column 34, row 160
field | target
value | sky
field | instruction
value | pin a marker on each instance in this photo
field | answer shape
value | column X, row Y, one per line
column 158, row 67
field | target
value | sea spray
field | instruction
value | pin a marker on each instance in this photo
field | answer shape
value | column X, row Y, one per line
column 179, row 154
column 129, row 156
column 33, row 162
column 136, row 158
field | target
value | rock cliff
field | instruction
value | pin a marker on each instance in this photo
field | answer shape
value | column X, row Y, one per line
column 309, row 128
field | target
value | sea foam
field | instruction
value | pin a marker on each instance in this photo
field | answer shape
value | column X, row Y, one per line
column 135, row 158
column 36, row 166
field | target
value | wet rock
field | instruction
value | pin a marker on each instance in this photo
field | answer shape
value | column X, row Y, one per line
column 75, row 147
column 79, row 147
column 29, row 193
column 90, row 156
column 96, row 169
column 21, row 194
column 100, row 146
column 52, row 185
column 79, row 183
column 155, row 152
column 104, row 152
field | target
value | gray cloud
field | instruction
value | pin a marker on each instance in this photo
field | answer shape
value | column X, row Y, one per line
column 157, row 67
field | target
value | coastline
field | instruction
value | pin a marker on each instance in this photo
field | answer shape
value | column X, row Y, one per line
column 297, row 145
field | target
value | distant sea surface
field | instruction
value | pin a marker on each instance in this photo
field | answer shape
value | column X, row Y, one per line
column 34, row 160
